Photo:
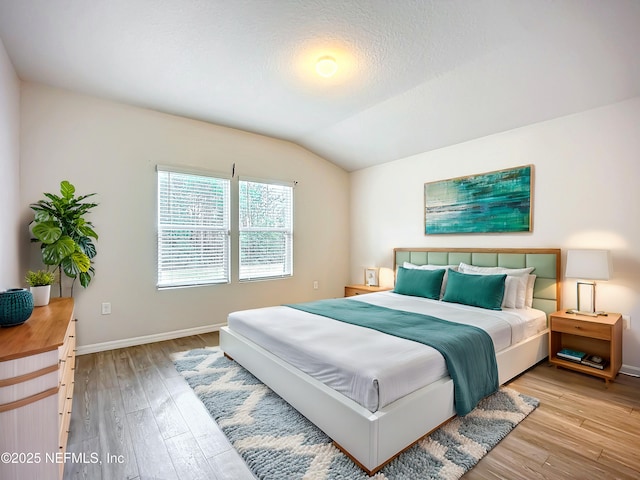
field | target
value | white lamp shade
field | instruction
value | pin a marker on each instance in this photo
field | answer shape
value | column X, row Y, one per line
column 589, row 264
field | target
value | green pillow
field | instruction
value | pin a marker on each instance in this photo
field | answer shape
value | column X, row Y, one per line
column 419, row 283
column 485, row 291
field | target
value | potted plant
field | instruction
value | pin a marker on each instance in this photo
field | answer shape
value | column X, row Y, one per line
column 40, row 283
column 66, row 235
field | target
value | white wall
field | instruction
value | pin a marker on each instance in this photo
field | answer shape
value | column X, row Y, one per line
column 586, row 173
column 10, row 275
column 112, row 149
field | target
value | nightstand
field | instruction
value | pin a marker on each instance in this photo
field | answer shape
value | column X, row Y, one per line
column 352, row 290
column 601, row 335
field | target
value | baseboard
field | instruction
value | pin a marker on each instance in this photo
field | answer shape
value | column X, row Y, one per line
column 629, row 370
column 157, row 337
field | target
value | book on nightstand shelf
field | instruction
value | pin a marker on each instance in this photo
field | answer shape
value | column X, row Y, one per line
column 571, row 355
column 594, row 361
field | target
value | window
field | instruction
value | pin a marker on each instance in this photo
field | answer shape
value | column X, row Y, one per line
column 266, row 230
column 193, row 228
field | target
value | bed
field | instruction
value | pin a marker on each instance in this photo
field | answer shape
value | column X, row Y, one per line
column 377, row 419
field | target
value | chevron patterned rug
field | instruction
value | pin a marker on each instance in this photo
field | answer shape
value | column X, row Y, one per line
column 277, row 442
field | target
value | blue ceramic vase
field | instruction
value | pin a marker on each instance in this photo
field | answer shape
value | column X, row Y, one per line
column 16, row 306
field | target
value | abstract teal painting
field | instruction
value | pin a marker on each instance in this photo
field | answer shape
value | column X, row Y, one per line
column 489, row 202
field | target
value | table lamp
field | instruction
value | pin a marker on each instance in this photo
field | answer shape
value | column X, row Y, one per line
column 588, row 265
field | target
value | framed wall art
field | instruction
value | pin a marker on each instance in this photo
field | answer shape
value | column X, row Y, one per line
column 490, row 202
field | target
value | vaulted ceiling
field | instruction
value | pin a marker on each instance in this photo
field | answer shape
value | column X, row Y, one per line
column 414, row 75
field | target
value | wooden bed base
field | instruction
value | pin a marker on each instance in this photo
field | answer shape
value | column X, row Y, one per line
column 370, row 439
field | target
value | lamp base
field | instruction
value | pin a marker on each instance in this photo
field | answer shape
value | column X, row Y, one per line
column 588, row 314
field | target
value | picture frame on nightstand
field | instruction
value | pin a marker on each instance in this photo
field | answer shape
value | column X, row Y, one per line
column 371, row 276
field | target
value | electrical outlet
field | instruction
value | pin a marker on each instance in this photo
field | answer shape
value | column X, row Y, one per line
column 106, row 308
column 627, row 321
column 315, row 284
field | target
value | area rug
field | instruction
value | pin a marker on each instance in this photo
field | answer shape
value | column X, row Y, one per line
column 277, row 442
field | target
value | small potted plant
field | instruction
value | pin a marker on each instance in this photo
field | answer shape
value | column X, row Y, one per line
column 40, row 283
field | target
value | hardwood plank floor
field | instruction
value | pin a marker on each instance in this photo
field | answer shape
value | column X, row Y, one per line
column 138, row 417
column 581, row 430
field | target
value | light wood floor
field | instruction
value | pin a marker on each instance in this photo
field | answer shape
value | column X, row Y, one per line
column 134, row 417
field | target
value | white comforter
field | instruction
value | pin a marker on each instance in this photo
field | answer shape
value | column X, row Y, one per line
column 372, row 368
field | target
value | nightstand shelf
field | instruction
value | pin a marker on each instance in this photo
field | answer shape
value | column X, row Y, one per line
column 352, row 290
column 600, row 336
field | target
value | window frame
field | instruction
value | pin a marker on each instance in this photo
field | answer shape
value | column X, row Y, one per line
column 288, row 230
column 224, row 229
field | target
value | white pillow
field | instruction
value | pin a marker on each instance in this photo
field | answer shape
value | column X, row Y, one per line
column 520, row 274
column 434, row 267
column 510, row 291
column 530, row 283
column 516, row 272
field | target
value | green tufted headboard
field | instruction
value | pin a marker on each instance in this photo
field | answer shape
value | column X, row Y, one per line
column 546, row 292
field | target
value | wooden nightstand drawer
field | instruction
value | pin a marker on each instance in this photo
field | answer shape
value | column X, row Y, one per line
column 581, row 327
column 352, row 290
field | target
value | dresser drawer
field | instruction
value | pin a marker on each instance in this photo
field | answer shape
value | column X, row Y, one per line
column 583, row 328
column 66, row 369
column 67, row 349
column 65, row 390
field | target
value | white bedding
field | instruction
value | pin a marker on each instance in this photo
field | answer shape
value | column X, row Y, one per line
column 372, row 368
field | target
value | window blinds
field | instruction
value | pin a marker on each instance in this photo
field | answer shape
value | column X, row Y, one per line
column 193, row 228
column 265, row 229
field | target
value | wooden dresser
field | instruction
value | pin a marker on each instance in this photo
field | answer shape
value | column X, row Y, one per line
column 37, row 361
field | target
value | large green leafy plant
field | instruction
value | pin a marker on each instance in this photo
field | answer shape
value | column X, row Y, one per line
column 66, row 236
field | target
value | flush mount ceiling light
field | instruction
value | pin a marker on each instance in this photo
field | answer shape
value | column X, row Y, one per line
column 326, row 66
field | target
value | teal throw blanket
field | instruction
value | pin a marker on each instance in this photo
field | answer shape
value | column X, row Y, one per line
column 467, row 350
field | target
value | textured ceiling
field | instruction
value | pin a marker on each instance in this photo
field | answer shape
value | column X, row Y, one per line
column 414, row 75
